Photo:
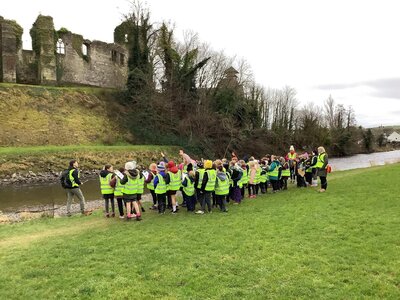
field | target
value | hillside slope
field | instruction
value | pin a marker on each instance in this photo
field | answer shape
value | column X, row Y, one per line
column 37, row 115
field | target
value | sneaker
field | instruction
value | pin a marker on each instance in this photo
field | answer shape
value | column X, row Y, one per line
column 122, row 217
column 113, row 215
column 143, row 210
column 199, row 212
column 86, row 213
column 107, row 215
column 69, row 214
column 174, row 212
column 225, row 211
column 138, row 217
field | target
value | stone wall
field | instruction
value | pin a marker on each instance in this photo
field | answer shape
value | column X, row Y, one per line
column 102, row 64
column 8, row 51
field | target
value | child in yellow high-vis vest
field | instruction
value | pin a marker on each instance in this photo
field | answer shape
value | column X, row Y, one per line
column 150, row 184
column 130, row 183
column 106, row 178
column 118, row 193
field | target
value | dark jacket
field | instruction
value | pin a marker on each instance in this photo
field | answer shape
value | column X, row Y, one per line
column 75, row 175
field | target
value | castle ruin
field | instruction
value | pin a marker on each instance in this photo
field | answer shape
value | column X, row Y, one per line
column 60, row 57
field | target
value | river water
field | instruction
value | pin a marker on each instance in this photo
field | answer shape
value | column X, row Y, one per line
column 13, row 198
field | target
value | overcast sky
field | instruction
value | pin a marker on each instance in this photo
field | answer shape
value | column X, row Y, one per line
column 349, row 49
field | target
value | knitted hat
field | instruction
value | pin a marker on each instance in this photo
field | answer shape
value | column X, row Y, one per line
column 291, row 148
column 160, row 167
column 170, row 164
column 130, row 165
column 208, row 164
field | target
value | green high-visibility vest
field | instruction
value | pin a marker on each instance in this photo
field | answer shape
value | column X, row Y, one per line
column 222, row 187
column 320, row 161
column 245, row 177
column 131, row 187
column 230, row 178
column 161, row 187
column 201, row 175
column 212, row 176
column 189, row 188
column 292, row 156
column 71, row 178
column 257, row 178
column 174, row 181
column 105, row 186
column 140, row 185
column 119, row 188
column 286, row 172
column 150, row 185
column 275, row 172
column 264, row 177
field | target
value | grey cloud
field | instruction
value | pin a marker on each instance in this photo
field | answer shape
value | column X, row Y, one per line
column 384, row 87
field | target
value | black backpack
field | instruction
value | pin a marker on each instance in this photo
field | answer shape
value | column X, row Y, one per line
column 64, row 179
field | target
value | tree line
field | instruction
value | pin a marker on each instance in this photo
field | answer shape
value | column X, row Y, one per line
column 178, row 93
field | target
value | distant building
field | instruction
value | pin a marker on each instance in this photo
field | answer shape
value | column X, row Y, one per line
column 394, row 137
column 61, row 57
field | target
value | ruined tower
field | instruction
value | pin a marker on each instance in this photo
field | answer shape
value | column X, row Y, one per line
column 43, row 44
column 10, row 44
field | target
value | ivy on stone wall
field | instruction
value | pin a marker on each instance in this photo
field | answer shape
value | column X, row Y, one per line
column 18, row 31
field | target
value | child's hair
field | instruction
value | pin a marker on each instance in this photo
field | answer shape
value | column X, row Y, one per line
column 153, row 167
column 252, row 163
column 282, row 160
column 220, row 168
column 107, row 167
column 122, row 170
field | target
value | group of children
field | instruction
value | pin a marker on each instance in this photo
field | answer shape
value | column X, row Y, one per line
column 205, row 183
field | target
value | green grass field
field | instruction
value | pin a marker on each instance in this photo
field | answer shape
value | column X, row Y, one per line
column 297, row 244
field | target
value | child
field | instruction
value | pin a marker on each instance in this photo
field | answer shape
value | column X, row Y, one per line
column 106, row 177
column 130, row 182
column 140, row 191
column 244, row 180
column 285, row 173
column 207, row 186
column 188, row 190
column 263, row 177
column 300, row 172
column 198, row 182
column 160, row 188
column 118, row 192
column 174, row 183
column 252, row 178
column 222, row 188
column 150, row 184
column 236, row 174
column 273, row 174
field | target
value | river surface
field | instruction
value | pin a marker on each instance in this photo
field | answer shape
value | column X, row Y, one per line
column 14, row 198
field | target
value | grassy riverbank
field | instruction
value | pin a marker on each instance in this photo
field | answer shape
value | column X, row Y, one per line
column 56, row 158
column 342, row 244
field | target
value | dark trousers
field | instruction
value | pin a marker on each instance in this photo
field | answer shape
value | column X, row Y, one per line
column 283, row 183
column 169, row 200
column 324, row 183
column 263, row 187
column 214, row 199
column 190, row 201
column 309, row 176
column 107, row 200
column 120, row 206
column 257, row 188
column 221, row 201
column 275, row 184
column 161, row 198
column 292, row 173
column 242, row 190
column 154, row 196
column 206, row 199
column 300, row 181
column 252, row 189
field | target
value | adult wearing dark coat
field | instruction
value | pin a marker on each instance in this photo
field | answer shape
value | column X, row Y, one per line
column 322, row 163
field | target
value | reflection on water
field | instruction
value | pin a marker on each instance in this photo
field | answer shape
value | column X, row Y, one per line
column 16, row 197
column 364, row 160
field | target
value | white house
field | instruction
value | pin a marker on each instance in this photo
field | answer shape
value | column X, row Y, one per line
column 393, row 137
